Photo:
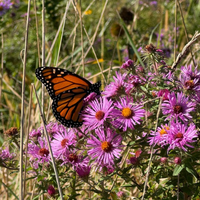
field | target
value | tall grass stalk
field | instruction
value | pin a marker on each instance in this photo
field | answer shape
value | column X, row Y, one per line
column 27, row 139
column 21, row 193
column 49, row 146
column 151, row 152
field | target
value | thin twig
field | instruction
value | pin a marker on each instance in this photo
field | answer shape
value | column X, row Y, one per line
column 175, row 30
column 75, row 26
column 1, row 66
column 43, row 47
column 26, row 148
column 21, row 194
column 14, row 92
column 178, row 184
column 37, row 32
column 151, row 155
column 90, row 42
column 185, row 29
column 185, row 48
column 49, row 146
column 82, row 45
column 63, row 25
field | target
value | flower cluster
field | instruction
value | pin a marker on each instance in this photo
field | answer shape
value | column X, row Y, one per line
column 117, row 120
column 5, row 5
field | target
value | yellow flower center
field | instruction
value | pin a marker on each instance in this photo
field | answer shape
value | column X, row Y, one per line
column 106, row 146
column 127, row 113
column 99, row 115
column 63, row 142
column 43, row 152
column 167, row 127
column 162, row 132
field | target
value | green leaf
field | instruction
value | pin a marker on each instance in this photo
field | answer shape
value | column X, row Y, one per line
column 131, row 41
column 144, row 89
column 10, row 190
column 56, row 49
column 177, row 170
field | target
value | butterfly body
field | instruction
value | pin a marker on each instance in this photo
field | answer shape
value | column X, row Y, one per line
column 68, row 91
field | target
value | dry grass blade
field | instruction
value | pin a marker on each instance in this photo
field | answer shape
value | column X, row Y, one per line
column 21, row 193
column 185, row 48
column 49, row 146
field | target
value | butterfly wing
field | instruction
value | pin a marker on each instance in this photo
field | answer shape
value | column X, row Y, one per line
column 67, row 91
column 68, row 105
column 58, row 80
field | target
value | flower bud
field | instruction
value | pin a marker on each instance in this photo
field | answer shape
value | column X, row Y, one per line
column 177, row 160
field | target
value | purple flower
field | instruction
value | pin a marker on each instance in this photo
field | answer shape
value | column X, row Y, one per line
column 132, row 83
column 39, row 152
column 121, row 194
column 62, row 141
column 127, row 65
column 153, row 3
column 6, row 155
column 127, row 115
column 178, row 107
column 160, row 137
column 163, row 93
column 105, row 147
column 180, row 135
column 177, row 160
column 187, row 71
column 4, row 6
column 51, row 190
column 95, row 115
column 74, row 158
column 35, row 133
column 117, row 87
column 190, row 80
column 163, row 160
column 92, row 96
column 83, row 171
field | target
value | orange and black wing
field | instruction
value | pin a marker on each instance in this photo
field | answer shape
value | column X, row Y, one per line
column 68, row 105
column 57, row 80
column 68, row 91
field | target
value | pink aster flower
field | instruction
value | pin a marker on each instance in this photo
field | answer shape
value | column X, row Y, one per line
column 127, row 115
column 160, row 137
column 117, row 87
column 51, row 190
column 127, row 65
column 92, row 96
column 62, row 141
column 189, row 72
column 178, row 107
column 105, row 147
column 190, row 84
column 132, row 83
column 5, row 154
column 97, row 113
column 163, row 93
column 5, row 5
column 83, row 171
column 39, row 152
column 180, row 135
column 74, row 158
column 35, row 133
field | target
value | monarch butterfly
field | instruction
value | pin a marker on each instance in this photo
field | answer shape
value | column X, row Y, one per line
column 67, row 91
